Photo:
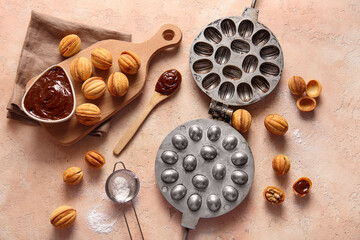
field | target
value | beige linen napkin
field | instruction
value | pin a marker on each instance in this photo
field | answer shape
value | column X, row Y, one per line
column 40, row 50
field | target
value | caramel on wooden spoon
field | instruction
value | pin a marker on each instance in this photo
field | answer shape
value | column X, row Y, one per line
column 167, row 84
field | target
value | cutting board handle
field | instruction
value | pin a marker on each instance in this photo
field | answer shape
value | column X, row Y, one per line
column 169, row 35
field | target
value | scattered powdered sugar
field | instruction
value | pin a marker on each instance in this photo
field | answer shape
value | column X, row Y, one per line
column 103, row 196
column 100, row 222
column 120, row 189
column 297, row 136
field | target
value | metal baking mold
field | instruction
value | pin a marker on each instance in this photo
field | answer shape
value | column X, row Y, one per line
column 236, row 60
column 204, row 168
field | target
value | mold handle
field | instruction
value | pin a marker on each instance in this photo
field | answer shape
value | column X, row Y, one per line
column 253, row 3
column 189, row 221
column 186, row 233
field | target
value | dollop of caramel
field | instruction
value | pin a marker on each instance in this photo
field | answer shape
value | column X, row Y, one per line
column 302, row 186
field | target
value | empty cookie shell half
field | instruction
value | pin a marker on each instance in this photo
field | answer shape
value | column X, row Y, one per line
column 306, row 104
column 313, row 88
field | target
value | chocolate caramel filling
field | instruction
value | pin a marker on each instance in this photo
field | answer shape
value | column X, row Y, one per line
column 50, row 97
column 302, row 187
column 168, row 82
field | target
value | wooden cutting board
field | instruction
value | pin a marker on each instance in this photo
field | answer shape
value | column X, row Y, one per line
column 71, row 131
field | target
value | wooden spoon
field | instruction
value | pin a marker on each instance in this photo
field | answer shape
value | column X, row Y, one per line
column 167, row 84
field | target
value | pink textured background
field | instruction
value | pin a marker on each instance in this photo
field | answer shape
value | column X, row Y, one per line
column 319, row 41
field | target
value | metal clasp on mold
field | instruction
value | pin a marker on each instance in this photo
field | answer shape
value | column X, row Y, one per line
column 251, row 12
column 220, row 111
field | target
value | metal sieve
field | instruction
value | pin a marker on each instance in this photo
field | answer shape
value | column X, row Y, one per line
column 134, row 186
column 131, row 179
column 236, row 60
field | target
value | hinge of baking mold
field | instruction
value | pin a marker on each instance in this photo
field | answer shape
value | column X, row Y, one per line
column 220, row 111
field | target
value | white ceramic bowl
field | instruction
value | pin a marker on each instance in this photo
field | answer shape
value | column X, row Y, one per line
column 49, row 120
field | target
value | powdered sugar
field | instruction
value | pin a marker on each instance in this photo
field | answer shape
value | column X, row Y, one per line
column 120, row 189
column 297, row 136
column 100, row 222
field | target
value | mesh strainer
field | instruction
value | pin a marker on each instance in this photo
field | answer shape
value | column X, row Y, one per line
column 134, row 186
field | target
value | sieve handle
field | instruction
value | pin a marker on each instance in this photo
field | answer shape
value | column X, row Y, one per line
column 132, row 205
column 118, row 163
column 137, row 220
column 127, row 225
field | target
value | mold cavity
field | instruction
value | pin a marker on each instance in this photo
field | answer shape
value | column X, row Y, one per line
column 228, row 27
column 168, row 34
column 269, row 69
column 246, row 28
column 203, row 49
column 211, row 81
column 213, row 35
column 245, row 92
column 226, row 91
column 250, row 64
column 260, row 84
column 232, row 72
column 222, row 55
column 240, row 46
column 269, row 52
column 261, row 37
column 202, row 66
